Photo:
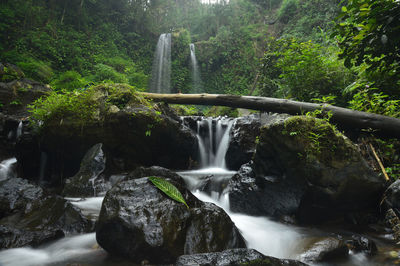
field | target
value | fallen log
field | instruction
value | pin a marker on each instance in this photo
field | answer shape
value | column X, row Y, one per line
column 384, row 125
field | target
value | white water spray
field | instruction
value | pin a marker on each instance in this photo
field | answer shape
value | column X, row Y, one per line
column 213, row 140
column 6, row 168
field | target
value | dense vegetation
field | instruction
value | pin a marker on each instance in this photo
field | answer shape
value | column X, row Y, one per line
column 345, row 52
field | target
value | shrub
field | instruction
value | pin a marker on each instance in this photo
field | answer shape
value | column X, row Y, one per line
column 69, row 80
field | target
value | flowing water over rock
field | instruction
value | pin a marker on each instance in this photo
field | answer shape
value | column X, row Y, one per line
column 6, row 170
column 161, row 72
column 196, row 77
column 213, row 140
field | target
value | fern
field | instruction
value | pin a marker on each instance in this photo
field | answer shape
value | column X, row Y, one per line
column 169, row 189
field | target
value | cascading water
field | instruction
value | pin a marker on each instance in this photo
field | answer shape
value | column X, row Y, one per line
column 260, row 233
column 213, row 140
column 6, row 169
column 19, row 130
column 161, row 72
column 196, row 78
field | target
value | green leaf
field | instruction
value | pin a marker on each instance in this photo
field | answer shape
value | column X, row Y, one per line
column 344, row 9
column 169, row 189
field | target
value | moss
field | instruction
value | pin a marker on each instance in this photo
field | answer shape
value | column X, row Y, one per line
column 320, row 139
column 82, row 106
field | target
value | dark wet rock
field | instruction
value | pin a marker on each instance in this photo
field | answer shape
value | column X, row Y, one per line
column 243, row 141
column 393, row 221
column 392, row 196
column 362, row 244
column 304, row 167
column 233, row 257
column 132, row 137
column 153, row 171
column 29, row 156
column 11, row 129
column 88, row 182
column 262, row 196
column 17, row 94
column 17, row 194
column 327, row 250
column 49, row 218
column 140, row 222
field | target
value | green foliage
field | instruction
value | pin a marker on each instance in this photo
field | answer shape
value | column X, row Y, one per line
column 287, row 10
column 169, row 189
column 180, row 55
column 372, row 101
column 368, row 33
column 222, row 111
column 69, row 80
column 105, row 73
column 302, row 70
column 75, row 105
column 36, row 69
column 185, row 110
column 15, row 102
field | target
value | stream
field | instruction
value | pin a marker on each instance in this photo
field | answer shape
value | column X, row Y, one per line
column 269, row 237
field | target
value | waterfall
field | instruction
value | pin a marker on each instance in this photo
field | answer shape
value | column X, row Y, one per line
column 19, row 129
column 213, row 139
column 196, row 78
column 161, row 72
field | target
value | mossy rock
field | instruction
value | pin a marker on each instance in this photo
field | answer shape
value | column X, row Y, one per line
column 304, row 167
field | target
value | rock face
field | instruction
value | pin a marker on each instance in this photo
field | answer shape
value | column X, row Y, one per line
column 233, row 257
column 140, row 222
column 304, row 167
column 243, row 141
column 392, row 196
column 17, row 194
column 133, row 135
column 29, row 217
column 83, row 184
column 17, row 94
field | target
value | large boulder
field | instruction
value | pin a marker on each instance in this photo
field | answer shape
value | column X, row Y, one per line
column 304, row 167
column 140, row 222
column 239, row 256
column 242, row 143
column 133, row 134
column 87, row 183
column 29, row 217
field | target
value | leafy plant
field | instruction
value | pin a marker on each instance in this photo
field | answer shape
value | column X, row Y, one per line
column 15, row 102
column 372, row 101
column 169, row 189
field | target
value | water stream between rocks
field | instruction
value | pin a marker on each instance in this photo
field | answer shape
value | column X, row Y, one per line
column 207, row 184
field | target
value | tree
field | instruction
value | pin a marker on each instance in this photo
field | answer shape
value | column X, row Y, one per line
column 368, row 32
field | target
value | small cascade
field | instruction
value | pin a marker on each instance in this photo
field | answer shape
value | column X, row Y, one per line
column 161, row 72
column 213, row 138
column 19, row 129
column 209, row 184
column 196, row 78
column 6, row 170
